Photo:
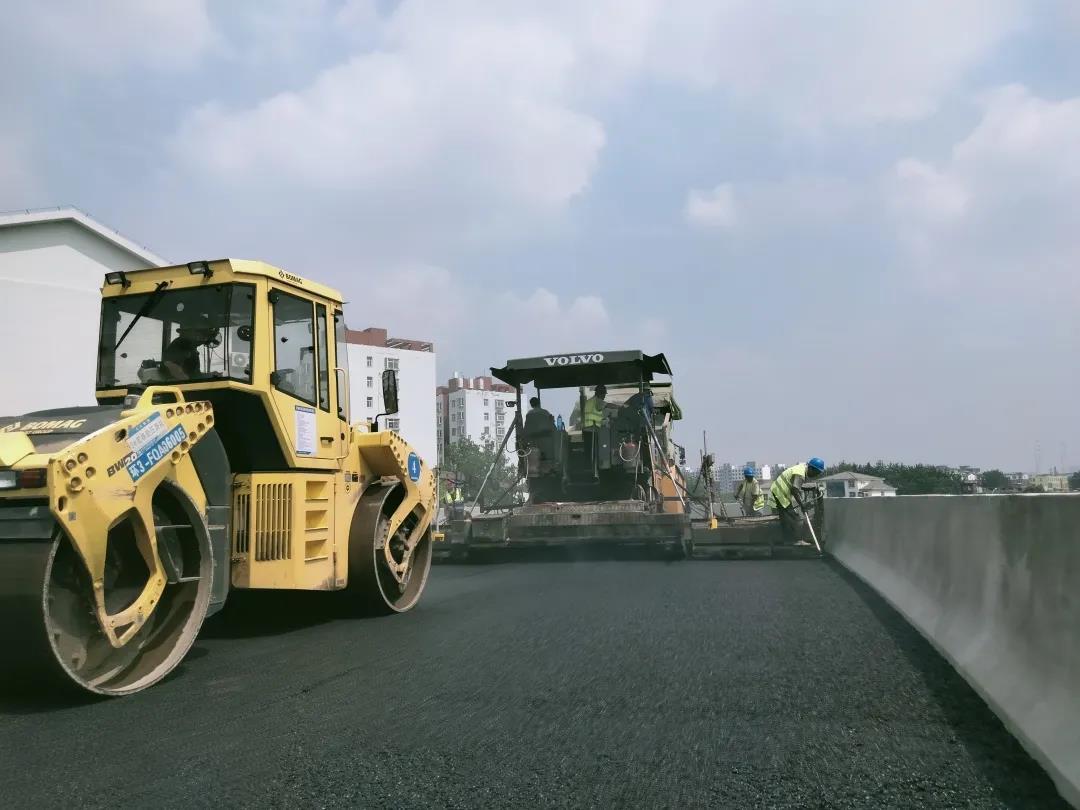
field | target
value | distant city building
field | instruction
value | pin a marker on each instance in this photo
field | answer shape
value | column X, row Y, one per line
column 856, row 485
column 1018, row 480
column 477, row 408
column 1051, row 482
column 970, row 484
column 769, row 471
column 370, row 353
column 727, row 476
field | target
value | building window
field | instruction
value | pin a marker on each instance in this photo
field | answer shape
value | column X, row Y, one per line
column 499, row 405
column 392, row 363
column 485, row 401
column 453, row 431
column 393, row 424
column 487, row 416
column 499, row 432
column 499, row 418
column 370, row 382
column 370, row 401
column 369, row 361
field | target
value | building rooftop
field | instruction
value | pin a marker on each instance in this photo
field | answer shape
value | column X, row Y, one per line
column 879, row 485
column 481, row 383
column 377, row 336
column 851, row 476
column 31, row 216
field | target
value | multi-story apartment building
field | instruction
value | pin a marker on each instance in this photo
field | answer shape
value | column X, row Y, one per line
column 370, row 353
column 477, row 408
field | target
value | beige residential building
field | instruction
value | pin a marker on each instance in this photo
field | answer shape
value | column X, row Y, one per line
column 1051, row 482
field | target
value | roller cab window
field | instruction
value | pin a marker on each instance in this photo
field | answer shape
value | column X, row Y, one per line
column 294, row 346
column 168, row 336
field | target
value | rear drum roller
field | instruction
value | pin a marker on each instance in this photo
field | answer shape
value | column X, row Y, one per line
column 75, row 651
column 373, row 586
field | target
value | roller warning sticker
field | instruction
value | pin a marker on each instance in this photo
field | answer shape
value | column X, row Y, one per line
column 146, row 432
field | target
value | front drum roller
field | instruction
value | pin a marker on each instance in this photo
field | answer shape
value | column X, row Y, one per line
column 50, row 631
column 374, row 585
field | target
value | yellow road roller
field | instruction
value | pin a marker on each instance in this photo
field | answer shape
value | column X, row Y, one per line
column 220, row 456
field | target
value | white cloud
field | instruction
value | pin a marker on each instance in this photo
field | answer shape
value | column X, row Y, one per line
column 712, row 209
column 768, row 207
column 923, row 192
column 1023, row 138
column 476, row 323
column 850, row 63
column 995, row 220
column 477, row 106
column 998, row 217
column 476, row 113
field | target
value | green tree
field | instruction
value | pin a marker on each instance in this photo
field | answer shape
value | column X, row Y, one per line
column 466, row 462
column 994, row 480
column 1074, row 481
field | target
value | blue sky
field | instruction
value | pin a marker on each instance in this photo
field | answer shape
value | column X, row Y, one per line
column 851, row 226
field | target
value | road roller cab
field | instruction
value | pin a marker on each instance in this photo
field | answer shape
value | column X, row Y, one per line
column 220, row 455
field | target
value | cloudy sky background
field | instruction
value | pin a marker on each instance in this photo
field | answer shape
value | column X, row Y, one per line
column 853, row 228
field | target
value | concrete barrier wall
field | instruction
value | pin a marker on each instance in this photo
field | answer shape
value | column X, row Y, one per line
column 993, row 581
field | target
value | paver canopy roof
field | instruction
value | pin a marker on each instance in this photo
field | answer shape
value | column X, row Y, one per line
column 587, row 368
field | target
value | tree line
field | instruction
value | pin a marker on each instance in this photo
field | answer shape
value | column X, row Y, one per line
column 909, row 479
column 465, row 462
column 927, row 479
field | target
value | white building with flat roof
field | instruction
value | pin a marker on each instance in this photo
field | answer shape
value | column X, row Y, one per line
column 476, row 408
column 856, row 485
column 52, row 265
column 370, row 353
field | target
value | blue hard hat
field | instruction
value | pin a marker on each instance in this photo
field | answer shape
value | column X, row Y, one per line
column 817, row 464
column 748, row 472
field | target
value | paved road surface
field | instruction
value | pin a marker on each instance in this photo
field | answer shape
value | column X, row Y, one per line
column 615, row 684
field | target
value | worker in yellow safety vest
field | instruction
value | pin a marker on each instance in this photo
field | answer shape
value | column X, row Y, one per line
column 594, row 408
column 455, row 503
column 787, row 497
column 749, row 493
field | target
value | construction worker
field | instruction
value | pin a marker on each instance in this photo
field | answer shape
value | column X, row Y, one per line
column 455, row 502
column 749, row 493
column 640, row 405
column 593, row 416
column 538, row 421
column 787, row 496
column 180, row 360
column 448, row 498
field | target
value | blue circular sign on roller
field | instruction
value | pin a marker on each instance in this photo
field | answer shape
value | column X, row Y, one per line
column 414, row 466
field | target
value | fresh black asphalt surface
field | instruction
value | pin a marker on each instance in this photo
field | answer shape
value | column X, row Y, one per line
column 541, row 684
